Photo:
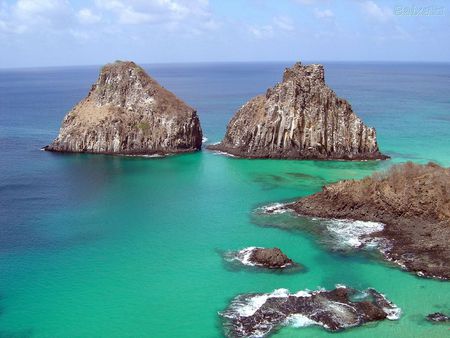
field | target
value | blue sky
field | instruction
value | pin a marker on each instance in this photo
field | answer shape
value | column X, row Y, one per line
column 61, row 32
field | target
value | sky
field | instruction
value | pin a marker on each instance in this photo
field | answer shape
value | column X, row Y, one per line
column 35, row 33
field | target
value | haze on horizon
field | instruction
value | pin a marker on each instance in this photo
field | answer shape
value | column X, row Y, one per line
column 36, row 33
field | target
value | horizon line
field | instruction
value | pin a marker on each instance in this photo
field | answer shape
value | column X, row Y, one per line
column 229, row 62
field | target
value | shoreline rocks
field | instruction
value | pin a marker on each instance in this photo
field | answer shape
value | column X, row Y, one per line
column 269, row 258
column 128, row 113
column 299, row 118
column 411, row 201
column 257, row 315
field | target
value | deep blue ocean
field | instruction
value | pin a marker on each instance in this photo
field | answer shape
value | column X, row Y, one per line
column 107, row 246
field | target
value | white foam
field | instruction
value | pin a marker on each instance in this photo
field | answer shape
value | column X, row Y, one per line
column 204, row 139
column 154, row 155
column 244, row 255
column 298, row 320
column 279, row 293
column 351, row 233
column 303, row 293
column 392, row 313
column 274, row 208
column 253, row 304
column 218, row 152
column 144, row 155
column 342, row 308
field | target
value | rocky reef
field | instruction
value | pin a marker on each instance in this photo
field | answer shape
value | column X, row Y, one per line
column 127, row 112
column 270, row 258
column 299, row 118
column 438, row 317
column 257, row 315
column 411, row 201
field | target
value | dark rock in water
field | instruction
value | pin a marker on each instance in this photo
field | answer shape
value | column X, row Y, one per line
column 438, row 317
column 299, row 118
column 257, row 315
column 127, row 112
column 413, row 203
column 270, row 258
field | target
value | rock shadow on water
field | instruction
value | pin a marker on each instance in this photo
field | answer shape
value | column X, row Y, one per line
column 269, row 181
column 351, row 165
column 289, row 179
column 306, row 177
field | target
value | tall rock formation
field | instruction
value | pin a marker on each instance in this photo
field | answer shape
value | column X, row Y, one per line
column 299, row 118
column 127, row 112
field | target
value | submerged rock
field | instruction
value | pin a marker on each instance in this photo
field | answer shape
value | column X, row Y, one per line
column 127, row 112
column 270, row 258
column 438, row 317
column 411, row 202
column 299, row 118
column 257, row 315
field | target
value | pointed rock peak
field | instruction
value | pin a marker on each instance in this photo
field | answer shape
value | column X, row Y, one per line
column 124, row 72
column 298, row 71
column 124, row 67
column 128, row 112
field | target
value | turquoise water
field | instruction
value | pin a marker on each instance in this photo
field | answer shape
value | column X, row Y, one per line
column 100, row 246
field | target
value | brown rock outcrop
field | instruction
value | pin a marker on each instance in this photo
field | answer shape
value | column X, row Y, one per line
column 127, row 112
column 259, row 315
column 413, row 203
column 272, row 258
column 299, row 118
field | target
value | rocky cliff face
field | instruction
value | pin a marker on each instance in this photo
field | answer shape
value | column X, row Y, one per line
column 299, row 118
column 127, row 112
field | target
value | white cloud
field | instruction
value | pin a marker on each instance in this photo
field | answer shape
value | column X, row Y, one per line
column 47, row 12
column 305, row 2
column 134, row 12
column 86, row 16
column 26, row 15
column 284, row 23
column 375, row 12
column 326, row 13
column 186, row 17
column 278, row 25
column 262, row 32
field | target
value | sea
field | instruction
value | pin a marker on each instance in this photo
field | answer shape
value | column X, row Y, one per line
column 111, row 246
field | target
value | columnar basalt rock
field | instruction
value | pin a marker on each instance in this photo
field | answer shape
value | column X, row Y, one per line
column 127, row 112
column 299, row 118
